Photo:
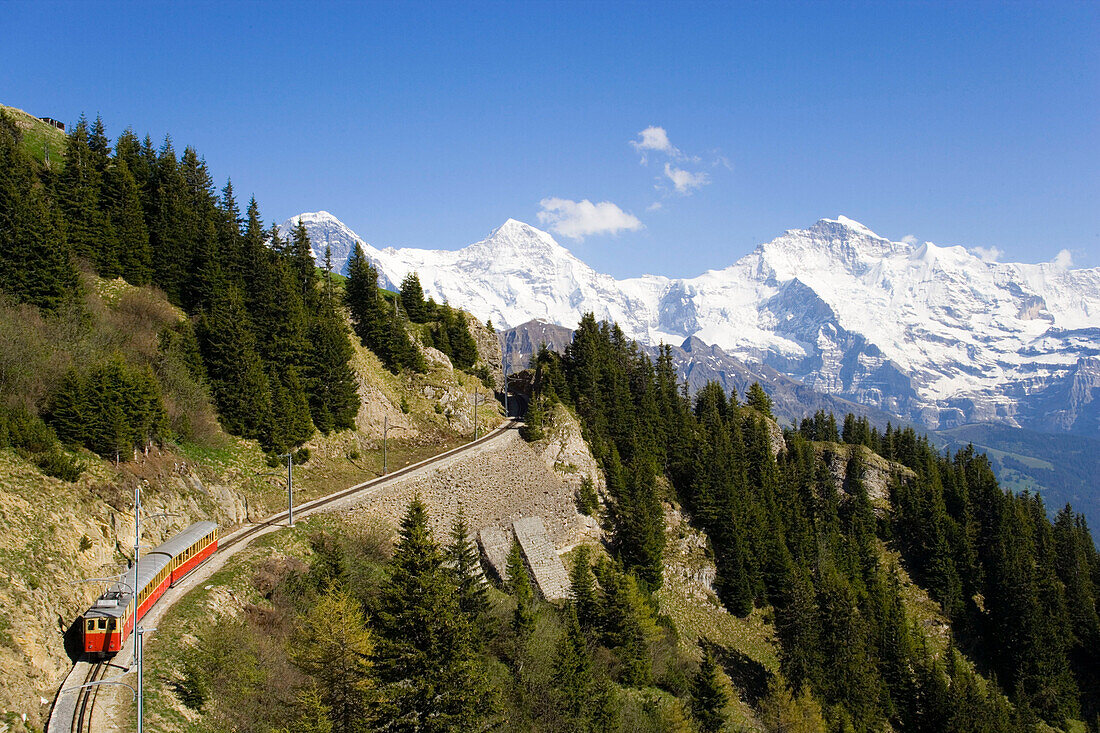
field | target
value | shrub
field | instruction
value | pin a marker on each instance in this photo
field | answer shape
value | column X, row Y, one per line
column 59, row 465
column 301, row 455
column 23, row 430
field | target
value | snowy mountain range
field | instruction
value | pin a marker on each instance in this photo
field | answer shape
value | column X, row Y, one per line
column 933, row 334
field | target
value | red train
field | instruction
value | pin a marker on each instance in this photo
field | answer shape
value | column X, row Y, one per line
column 110, row 621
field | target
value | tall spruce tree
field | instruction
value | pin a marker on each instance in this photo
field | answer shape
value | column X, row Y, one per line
column 431, row 677
column 35, row 262
column 473, row 595
column 519, row 585
column 412, row 299
column 331, row 384
column 238, row 382
column 572, row 676
column 708, row 696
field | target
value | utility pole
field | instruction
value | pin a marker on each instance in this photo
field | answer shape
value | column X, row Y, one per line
column 289, row 487
column 138, row 631
column 504, row 366
column 475, row 412
column 139, row 643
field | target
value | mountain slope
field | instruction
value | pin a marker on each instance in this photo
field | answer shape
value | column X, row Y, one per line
column 932, row 334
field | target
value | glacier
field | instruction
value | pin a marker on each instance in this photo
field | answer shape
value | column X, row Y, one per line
column 933, row 334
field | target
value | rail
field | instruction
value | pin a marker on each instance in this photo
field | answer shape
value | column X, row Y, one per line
column 85, row 702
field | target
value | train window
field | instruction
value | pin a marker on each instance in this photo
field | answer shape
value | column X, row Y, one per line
column 110, row 624
column 102, row 624
column 91, row 624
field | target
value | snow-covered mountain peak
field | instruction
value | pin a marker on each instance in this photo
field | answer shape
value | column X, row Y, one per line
column 929, row 332
column 522, row 240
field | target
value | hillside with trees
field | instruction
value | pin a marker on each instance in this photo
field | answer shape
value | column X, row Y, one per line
column 794, row 530
column 864, row 582
column 153, row 334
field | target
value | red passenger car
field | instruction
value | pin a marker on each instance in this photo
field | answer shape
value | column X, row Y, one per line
column 111, row 620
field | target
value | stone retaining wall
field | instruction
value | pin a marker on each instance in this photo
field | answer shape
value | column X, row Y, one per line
column 495, row 484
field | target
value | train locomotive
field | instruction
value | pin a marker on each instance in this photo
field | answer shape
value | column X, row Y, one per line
column 109, row 622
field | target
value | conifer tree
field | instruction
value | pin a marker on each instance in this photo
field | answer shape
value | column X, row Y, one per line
column 334, row 647
column 473, row 595
column 759, row 400
column 35, row 262
column 432, row 679
column 302, row 264
column 377, row 327
column 519, row 585
column 572, row 677
column 171, row 227
column 628, row 623
column 238, row 383
column 330, row 381
column 708, row 696
column 412, row 299
column 606, row 708
column 313, row 714
column 291, row 422
column 463, row 351
column 135, row 258
column 79, row 192
column 582, row 589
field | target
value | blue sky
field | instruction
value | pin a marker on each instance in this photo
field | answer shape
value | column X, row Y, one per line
column 427, row 125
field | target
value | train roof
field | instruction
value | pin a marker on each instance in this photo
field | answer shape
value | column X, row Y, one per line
column 119, row 596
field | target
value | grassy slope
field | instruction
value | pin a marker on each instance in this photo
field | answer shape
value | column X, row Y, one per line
column 38, row 137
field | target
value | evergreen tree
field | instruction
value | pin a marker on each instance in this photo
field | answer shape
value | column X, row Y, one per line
column 78, row 187
column 606, row 708
column 35, row 262
column 302, row 265
column 424, row 657
column 412, row 299
column 330, row 381
column 708, row 696
column 759, row 400
column 172, row 225
column 572, row 677
column 628, row 623
column 238, row 383
column 473, row 595
column 582, row 589
column 377, row 327
column 463, row 351
column 127, row 218
column 519, row 584
column 291, row 423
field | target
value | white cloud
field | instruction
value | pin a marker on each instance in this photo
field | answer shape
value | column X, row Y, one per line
column 988, row 254
column 579, row 219
column 655, row 206
column 685, row 181
column 654, row 138
column 910, row 239
column 1064, row 259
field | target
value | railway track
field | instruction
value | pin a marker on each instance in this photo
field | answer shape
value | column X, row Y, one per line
column 85, row 702
column 315, row 504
